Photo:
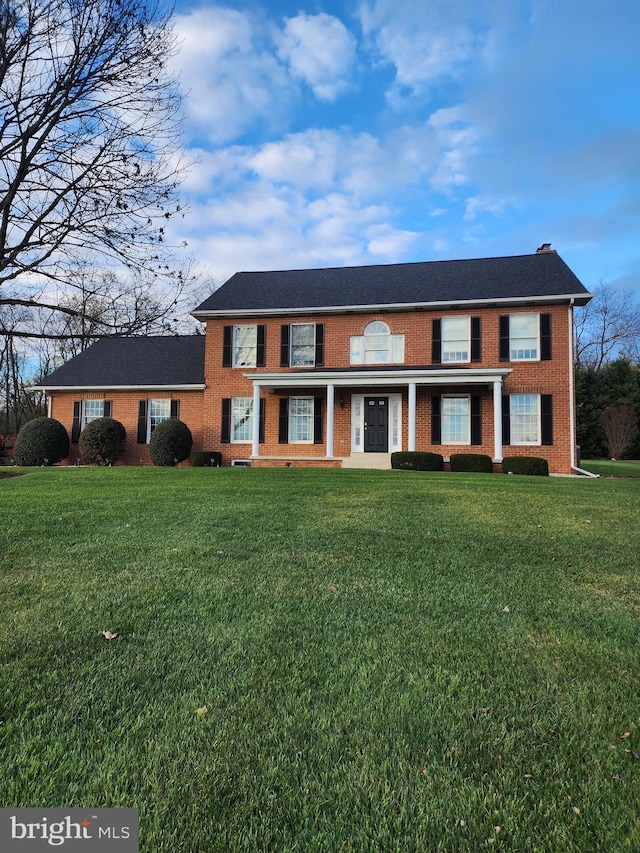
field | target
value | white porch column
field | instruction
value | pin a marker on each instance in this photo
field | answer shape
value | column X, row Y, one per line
column 497, row 420
column 330, row 406
column 255, row 443
column 412, row 416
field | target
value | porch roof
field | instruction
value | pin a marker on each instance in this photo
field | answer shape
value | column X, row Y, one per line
column 378, row 377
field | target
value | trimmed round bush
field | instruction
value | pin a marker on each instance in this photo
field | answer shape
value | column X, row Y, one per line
column 43, row 441
column 206, row 459
column 417, row 460
column 171, row 442
column 532, row 465
column 102, row 442
column 477, row 463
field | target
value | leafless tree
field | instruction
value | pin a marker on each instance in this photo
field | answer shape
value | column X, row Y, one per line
column 620, row 425
column 90, row 160
column 607, row 327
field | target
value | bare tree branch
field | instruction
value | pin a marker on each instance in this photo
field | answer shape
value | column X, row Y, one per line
column 90, row 160
column 607, row 327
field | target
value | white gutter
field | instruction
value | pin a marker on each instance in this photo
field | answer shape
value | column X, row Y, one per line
column 391, row 306
column 78, row 388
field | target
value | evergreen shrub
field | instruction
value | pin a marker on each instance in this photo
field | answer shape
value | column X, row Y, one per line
column 417, row 460
column 171, row 442
column 102, row 442
column 43, row 441
column 478, row 463
column 532, row 465
column 206, row 459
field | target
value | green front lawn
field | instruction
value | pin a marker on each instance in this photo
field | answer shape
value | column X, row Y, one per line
column 613, row 468
column 315, row 660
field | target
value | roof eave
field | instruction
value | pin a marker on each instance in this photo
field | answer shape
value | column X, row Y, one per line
column 200, row 386
column 565, row 298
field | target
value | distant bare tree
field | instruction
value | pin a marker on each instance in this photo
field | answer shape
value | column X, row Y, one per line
column 607, row 327
column 89, row 149
column 620, row 425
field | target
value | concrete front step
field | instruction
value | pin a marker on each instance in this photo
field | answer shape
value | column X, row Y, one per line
column 378, row 461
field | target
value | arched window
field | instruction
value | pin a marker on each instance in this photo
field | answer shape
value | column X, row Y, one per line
column 377, row 345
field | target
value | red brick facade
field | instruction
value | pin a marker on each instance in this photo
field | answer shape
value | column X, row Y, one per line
column 202, row 411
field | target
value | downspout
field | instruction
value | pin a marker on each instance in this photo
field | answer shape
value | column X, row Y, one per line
column 572, row 402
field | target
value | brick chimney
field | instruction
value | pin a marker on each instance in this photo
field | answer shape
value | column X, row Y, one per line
column 545, row 249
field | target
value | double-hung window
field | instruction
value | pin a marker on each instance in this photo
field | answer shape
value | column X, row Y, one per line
column 456, row 420
column 243, row 346
column 377, row 346
column 524, row 410
column 241, row 420
column 525, row 337
column 527, row 419
column 153, row 412
column 524, row 344
column 456, row 339
column 303, row 344
column 85, row 411
column 159, row 411
column 91, row 411
column 301, row 420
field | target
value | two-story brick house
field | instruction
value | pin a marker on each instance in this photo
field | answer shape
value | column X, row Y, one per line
column 344, row 366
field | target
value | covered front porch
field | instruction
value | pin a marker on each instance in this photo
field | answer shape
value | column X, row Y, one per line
column 380, row 407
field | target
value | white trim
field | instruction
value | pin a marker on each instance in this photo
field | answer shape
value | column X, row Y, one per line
column 357, row 421
column 286, row 311
column 376, row 378
column 466, row 442
column 445, row 320
column 76, row 388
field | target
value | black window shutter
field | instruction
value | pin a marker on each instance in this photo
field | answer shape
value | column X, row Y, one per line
column 227, row 337
column 75, row 427
column 476, row 330
column 225, row 427
column 436, row 342
column 317, row 420
column 260, row 349
column 546, row 411
column 476, row 419
column 283, row 419
column 175, row 410
column 106, row 411
column 319, row 344
column 545, row 337
column 142, row 422
column 436, row 428
column 506, row 420
column 504, row 339
column 284, row 346
column 261, row 423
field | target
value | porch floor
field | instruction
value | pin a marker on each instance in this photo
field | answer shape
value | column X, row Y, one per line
column 379, row 461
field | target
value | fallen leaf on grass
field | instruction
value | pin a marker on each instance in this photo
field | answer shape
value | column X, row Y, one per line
column 576, row 809
column 201, row 711
column 624, row 736
column 506, row 609
column 633, row 753
column 109, row 635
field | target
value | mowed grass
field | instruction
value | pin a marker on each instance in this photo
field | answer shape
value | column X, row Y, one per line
column 613, row 467
column 315, row 660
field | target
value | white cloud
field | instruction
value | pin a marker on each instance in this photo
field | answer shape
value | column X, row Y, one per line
column 426, row 42
column 320, row 51
column 229, row 75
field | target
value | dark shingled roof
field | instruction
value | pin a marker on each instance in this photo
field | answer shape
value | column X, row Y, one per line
column 543, row 274
column 114, row 362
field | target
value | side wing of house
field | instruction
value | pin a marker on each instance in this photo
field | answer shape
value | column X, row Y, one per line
column 138, row 381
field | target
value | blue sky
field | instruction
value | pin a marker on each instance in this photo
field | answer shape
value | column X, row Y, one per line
column 341, row 133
